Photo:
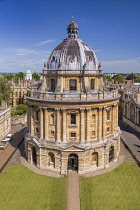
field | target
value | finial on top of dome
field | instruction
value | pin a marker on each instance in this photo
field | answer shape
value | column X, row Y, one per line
column 72, row 19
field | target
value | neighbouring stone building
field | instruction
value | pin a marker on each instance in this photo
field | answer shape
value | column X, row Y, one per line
column 130, row 102
column 19, row 90
column 5, row 120
column 72, row 121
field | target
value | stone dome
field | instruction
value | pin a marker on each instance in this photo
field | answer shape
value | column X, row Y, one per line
column 28, row 71
column 72, row 53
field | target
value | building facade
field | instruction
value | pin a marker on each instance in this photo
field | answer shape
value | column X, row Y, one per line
column 131, row 107
column 5, row 120
column 72, row 121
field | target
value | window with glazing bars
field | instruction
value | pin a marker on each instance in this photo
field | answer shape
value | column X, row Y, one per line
column 52, row 84
column 73, row 84
column 92, row 84
column 73, row 119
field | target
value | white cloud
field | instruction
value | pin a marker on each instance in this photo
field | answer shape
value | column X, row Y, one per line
column 44, row 42
column 97, row 50
column 122, row 66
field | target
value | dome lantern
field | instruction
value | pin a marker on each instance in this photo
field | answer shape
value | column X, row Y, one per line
column 72, row 29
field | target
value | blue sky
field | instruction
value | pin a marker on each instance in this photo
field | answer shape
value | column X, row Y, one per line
column 30, row 30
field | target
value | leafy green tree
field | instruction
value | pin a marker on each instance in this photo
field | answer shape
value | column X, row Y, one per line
column 21, row 75
column 9, row 76
column 36, row 76
column 21, row 110
column 5, row 89
column 119, row 79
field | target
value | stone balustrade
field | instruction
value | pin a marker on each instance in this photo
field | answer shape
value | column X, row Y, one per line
column 94, row 95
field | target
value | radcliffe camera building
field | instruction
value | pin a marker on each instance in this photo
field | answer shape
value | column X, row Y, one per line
column 72, row 120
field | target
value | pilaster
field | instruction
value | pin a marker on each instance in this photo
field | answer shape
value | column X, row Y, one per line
column 64, row 125
column 104, row 122
column 82, row 132
column 41, row 122
column 88, row 124
column 46, row 123
column 99, row 134
column 58, row 127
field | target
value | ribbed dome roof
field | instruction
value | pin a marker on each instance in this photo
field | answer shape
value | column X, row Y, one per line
column 72, row 53
column 28, row 71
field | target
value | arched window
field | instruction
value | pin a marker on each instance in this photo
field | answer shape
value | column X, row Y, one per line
column 52, row 119
column 111, row 153
column 36, row 116
column 108, row 114
column 73, row 84
column 125, row 110
column 93, row 119
column 34, row 156
column 132, row 112
column 92, row 84
column 94, row 159
column 51, row 160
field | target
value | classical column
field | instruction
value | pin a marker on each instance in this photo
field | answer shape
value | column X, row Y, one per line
column 82, row 133
column 41, row 123
column 117, row 116
column 113, row 120
column 99, row 134
column 28, row 118
column 58, row 125
column 104, row 122
column 88, row 124
column 32, row 121
column 64, row 125
column 46, row 123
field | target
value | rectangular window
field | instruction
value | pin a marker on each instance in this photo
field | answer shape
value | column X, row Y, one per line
column 108, row 130
column 73, row 119
column 52, row 133
column 53, row 85
column 73, row 135
column 92, row 84
column 36, row 130
column 92, row 133
column 37, row 116
column 73, row 84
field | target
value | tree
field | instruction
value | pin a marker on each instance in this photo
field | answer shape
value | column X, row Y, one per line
column 21, row 110
column 9, row 76
column 5, row 89
column 119, row 79
column 21, row 75
column 36, row 76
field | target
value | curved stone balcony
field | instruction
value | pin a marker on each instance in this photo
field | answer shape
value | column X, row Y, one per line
column 72, row 96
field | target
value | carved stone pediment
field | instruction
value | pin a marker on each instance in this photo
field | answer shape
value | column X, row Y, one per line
column 73, row 148
column 34, row 142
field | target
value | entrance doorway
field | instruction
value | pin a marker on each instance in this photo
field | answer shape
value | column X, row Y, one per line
column 34, row 156
column 73, row 162
column 111, row 153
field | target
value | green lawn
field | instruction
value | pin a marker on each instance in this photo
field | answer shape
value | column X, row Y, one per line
column 22, row 189
column 119, row 189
